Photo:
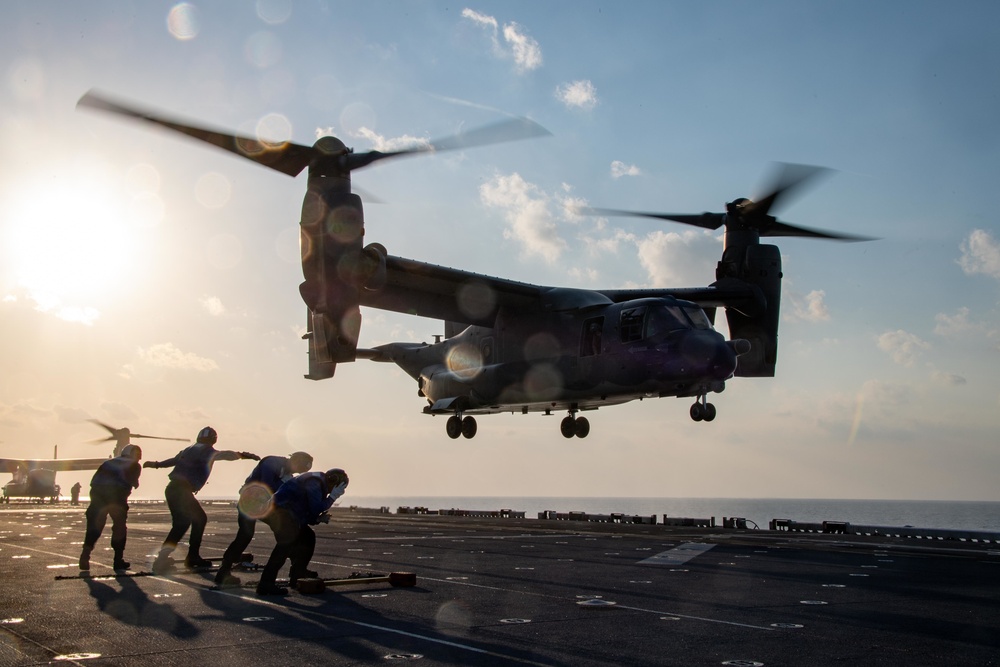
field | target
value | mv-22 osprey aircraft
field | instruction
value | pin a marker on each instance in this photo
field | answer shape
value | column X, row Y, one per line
column 510, row 346
column 36, row 478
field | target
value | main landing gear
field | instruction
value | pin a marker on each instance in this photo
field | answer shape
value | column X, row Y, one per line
column 702, row 410
column 458, row 425
column 573, row 425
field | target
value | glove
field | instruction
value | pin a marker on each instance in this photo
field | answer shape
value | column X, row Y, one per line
column 150, row 464
column 338, row 491
column 248, row 455
column 324, row 517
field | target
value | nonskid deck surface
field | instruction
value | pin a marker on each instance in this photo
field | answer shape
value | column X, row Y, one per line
column 504, row 592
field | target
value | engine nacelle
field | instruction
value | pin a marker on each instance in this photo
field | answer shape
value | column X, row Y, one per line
column 760, row 265
column 335, row 268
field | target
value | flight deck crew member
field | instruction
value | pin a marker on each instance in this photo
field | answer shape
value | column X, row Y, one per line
column 110, row 488
column 299, row 503
column 255, row 502
column 192, row 466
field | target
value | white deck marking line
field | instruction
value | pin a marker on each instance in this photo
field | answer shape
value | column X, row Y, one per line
column 620, row 606
column 373, row 626
column 678, row 555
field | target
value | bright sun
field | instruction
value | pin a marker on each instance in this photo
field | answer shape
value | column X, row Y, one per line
column 68, row 243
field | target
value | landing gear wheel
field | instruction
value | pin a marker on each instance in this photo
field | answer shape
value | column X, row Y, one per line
column 567, row 427
column 709, row 412
column 582, row 427
column 454, row 427
column 697, row 412
column 469, row 427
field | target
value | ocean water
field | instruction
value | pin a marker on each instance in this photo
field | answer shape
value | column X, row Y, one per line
column 958, row 515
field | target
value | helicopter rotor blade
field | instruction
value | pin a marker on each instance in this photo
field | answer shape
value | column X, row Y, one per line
column 786, row 178
column 109, row 429
column 746, row 214
column 291, row 158
column 157, row 437
column 704, row 220
column 286, row 157
column 785, row 229
column 504, row 131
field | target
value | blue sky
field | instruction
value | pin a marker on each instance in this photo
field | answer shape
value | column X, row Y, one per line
column 148, row 281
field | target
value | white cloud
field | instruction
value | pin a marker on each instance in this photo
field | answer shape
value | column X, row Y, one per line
column 674, row 259
column 579, row 94
column 619, row 169
column 165, row 355
column 953, row 325
column 903, row 347
column 530, row 221
column 525, row 51
column 213, row 305
column 385, row 144
column 810, row 308
column 980, row 254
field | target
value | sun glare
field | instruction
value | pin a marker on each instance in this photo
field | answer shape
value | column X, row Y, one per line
column 69, row 245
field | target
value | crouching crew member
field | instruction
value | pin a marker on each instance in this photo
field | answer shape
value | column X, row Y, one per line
column 191, row 468
column 255, row 503
column 299, row 503
column 110, row 488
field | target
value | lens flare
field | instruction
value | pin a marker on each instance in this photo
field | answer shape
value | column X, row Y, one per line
column 255, row 500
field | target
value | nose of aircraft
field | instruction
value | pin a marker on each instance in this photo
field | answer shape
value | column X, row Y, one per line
column 708, row 352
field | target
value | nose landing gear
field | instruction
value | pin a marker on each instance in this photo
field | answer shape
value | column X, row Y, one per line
column 702, row 410
column 464, row 426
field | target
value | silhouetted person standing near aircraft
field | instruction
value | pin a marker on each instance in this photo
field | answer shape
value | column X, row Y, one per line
column 110, row 488
column 299, row 503
column 255, row 503
column 192, row 466
column 75, row 493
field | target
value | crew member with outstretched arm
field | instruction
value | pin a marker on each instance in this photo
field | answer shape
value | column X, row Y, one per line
column 191, row 468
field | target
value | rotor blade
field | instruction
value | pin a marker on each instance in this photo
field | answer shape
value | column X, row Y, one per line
column 507, row 130
column 785, row 229
column 157, row 437
column 705, row 220
column 785, row 179
column 109, row 429
column 286, row 157
column 100, row 441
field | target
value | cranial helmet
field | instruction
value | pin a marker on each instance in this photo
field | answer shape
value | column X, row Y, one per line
column 132, row 452
column 208, row 435
column 334, row 476
column 300, row 462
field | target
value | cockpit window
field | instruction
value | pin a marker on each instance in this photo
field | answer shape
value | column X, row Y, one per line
column 699, row 318
column 664, row 320
column 631, row 324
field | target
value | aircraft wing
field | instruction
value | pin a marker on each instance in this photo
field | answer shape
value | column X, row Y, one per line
column 453, row 295
column 722, row 294
column 11, row 465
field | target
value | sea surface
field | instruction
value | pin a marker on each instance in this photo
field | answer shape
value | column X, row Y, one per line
column 957, row 515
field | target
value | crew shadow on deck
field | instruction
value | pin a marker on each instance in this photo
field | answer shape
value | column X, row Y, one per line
column 130, row 605
column 360, row 634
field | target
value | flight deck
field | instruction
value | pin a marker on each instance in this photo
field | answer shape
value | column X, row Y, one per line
column 502, row 590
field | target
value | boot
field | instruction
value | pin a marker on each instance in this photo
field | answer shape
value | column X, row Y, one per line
column 120, row 563
column 85, row 558
column 271, row 590
column 163, row 564
column 195, row 561
column 228, row 581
